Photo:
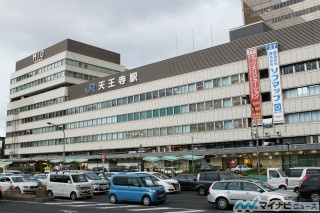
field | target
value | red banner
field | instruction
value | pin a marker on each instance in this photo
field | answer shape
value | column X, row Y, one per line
column 254, row 83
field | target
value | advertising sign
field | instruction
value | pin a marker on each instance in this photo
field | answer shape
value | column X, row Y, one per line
column 276, row 91
column 255, row 97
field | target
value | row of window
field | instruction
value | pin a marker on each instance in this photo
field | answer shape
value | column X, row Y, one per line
column 294, row 14
column 51, row 78
column 302, row 92
column 60, row 63
column 218, row 82
column 274, row 7
column 154, row 132
column 172, row 130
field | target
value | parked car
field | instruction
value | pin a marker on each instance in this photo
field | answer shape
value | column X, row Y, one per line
column 309, row 188
column 240, row 168
column 99, row 185
column 0, row 192
column 136, row 187
column 228, row 192
column 31, row 178
column 187, row 181
column 133, row 169
column 171, row 171
column 170, row 185
column 296, row 174
column 42, row 178
column 205, row 179
column 206, row 168
column 19, row 183
column 69, row 184
column 99, row 169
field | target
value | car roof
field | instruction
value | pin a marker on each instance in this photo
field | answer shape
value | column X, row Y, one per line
column 241, row 180
column 132, row 174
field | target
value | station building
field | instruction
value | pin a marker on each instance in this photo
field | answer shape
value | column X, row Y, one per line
column 73, row 102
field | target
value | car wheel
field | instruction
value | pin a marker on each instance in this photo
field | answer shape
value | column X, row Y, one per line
column 73, row 196
column 202, row 191
column 113, row 198
column 49, row 193
column 146, row 200
column 222, row 203
column 236, row 171
column 18, row 189
column 283, row 187
column 315, row 196
column 296, row 190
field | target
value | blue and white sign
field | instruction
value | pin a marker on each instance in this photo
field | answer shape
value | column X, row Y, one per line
column 274, row 74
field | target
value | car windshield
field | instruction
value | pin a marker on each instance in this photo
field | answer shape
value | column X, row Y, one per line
column 92, row 176
column 160, row 176
column 149, row 181
column 79, row 178
column 266, row 186
column 18, row 179
column 41, row 177
column 282, row 173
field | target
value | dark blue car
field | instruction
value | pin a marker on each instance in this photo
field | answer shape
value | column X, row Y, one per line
column 131, row 187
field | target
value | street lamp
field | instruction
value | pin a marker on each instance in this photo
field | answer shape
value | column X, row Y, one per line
column 63, row 142
column 192, row 155
column 140, row 159
column 288, row 144
column 256, row 135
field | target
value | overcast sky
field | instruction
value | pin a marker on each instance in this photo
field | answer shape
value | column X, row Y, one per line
column 141, row 31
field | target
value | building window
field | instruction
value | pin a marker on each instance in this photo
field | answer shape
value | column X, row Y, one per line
column 291, row 93
column 155, row 94
column 155, row 113
column 216, row 82
column 209, row 105
column 193, row 128
column 177, row 110
column 163, row 112
column 170, row 111
column 192, row 87
column 314, row 90
column 169, row 92
column 227, row 102
column 201, row 127
column 304, row 117
column 184, row 109
column 302, row 91
column 299, row 67
column 199, row 86
column 162, row 93
column 311, row 65
column 200, row 106
column 192, row 107
column 236, row 101
column 292, row 118
column 208, row 84
column 226, row 81
column 217, row 104
column 178, row 130
column 228, row 125
column 315, row 116
column 210, row 126
column 237, row 124
column 218, row 125
column 235, row 79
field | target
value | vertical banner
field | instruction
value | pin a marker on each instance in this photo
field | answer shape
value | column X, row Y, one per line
column 276, row 91
column 255, row 97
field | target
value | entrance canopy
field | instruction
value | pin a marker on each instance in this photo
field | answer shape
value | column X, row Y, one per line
column 69, row 160
column 5, row 163
column 192, row 157
column 151, row 158
column 170, row 158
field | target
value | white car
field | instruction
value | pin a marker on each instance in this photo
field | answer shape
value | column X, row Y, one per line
column 171, row 171
column 170, row 185
column 228, row 192
column 240, row 168
column 18, row 182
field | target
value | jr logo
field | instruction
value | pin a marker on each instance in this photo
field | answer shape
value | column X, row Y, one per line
column 91, row 88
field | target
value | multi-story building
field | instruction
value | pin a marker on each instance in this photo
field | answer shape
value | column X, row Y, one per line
column 76, row 100
column 279, row 14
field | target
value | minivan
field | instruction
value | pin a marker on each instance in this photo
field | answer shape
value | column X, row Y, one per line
column 69, row 184
column 99, row 185
column 296, row 174
column 132, row 187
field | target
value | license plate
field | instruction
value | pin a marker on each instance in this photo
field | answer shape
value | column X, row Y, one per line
column 83, row 194
column 160, row 196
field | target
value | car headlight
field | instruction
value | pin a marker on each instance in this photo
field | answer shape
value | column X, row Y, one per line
column 25, row 187
column 95, row 184
column 288, row 198
column 152, row 191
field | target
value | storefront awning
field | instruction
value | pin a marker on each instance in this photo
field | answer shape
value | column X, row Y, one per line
column 151, row 158
column 69, row 160
column 81, row 160
column 56, row 161
column 5, row 163
column 192, row 157
column 170, row 158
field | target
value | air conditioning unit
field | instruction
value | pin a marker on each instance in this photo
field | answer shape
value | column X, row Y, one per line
column 316, row 139
column 309, row 139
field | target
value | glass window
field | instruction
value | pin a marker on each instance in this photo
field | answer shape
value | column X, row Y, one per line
column 148, row 95
column 199, row 86
column 155, row 113
column 143, row 115
column 302, row 91
column 162, row 93
column 192, row 87
column 177, row 110
column 314, row 90
column 292, row 118
column 178, row 130
column 185, row 129
column 149, row 114
column 155, row 94
column 136, row 98
column 184, row 109
column 130, row 99
column 208, row 84
column 299, row 67
column 200, row 106
column 235, row 79
column 228, row 125
column 136, row 116
column 156, row 132
column 163, row 112
column 217, row 104
column 227, row 102
column 291, row 93
column 315, row 116
column 226, row 81
column 163, row 131
column 125, row 117
column 217, row 82
column 184, row 89
column 237, row 124
column 170, row 130
column 236, row 101
column 170, row 111
column 304, row 117
column 210, row 126
column 218, row 125
column 130, row 117
column 192, row 107
column 125, row 100
column 288, row 69
column 149, row 132
column 193, row 128
column 120, row 118
column 169, row 92
column 201, row 127
column 311, row 65
column 209, row 105
column 177, row 91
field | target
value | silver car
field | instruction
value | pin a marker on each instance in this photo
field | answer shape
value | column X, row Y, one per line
column 228, row 192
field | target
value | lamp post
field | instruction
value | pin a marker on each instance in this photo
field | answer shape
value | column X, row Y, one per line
column 63, row 142
column 256, row 135
column 192, row 155
column 288, row 144
column 140, row 159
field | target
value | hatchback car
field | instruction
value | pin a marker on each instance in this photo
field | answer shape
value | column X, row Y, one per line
column 309, row 188
column 228, row 192
column 187, row 181
column 133, row 187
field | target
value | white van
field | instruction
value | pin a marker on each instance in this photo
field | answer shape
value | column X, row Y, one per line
column 68, row 184
column 296, row 174
column 170, row 185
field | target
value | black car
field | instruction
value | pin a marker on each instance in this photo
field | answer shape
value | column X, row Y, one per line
column 206, row 168
column 205, row 179
column 309, row 188
column 187, row 181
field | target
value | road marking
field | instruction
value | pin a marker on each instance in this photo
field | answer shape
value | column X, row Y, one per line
column 69, row 203
column 149, row 209
column 116, row 206
column 89, row 205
